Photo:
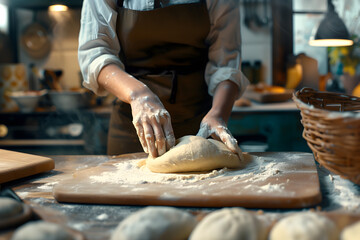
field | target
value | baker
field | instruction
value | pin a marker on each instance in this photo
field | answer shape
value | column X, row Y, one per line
column 173, row 65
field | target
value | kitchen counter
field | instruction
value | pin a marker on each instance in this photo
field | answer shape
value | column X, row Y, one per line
column 98, row 221
column 268, row 127
column 288, row 106
column 51, row 132
column 105, row 110
column 274, row 125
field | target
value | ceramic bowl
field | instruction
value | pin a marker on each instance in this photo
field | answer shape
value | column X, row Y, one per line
column 69, row 100
column 27, row 101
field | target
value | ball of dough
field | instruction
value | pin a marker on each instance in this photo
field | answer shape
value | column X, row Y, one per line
column 194, row 154
column 9, row 207
column 229, row 224
column 305, row 226
column 351, row 232
column 41, row 230
column 157, row 223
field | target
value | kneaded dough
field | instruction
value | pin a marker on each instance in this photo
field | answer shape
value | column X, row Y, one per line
column 229, row 224
column 41, row 230
column 194, row 154
column 9, row 207
column 351, row 232
column 156, row 223
column 305, row 226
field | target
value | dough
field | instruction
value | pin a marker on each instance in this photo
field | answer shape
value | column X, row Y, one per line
column 229, row 224
column 304, row 226
column 9, row 207
column 156, row 223
column 40, row 230
column 351, row 232
column 194, row 154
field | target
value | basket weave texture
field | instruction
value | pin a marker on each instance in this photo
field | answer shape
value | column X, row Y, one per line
column 332, row 130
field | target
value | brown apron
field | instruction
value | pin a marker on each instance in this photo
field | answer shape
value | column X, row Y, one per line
column 165, row 49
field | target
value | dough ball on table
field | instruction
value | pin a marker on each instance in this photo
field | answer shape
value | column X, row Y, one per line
column 194, row 154
column 156, row 223
column 41, row 230
column 229, row 224
column 351, row 232
column 304, row 226
column 9, row 207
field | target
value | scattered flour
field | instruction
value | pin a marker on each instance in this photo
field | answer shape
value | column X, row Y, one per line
column 48, row 186
column 272, row 187
column 103, row 216
column 78, row 226
column 259, row 169
column 130, row 173
column 342, row 192
column 22, row 194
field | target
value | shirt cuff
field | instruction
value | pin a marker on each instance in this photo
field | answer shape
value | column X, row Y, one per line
column 94, row 70
column 226, row 73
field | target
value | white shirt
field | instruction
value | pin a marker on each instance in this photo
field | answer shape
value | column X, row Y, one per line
column 99, row 44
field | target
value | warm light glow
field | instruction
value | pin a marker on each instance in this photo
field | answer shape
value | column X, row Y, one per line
column 58, row 8
column 4, row 24
column 330, row 42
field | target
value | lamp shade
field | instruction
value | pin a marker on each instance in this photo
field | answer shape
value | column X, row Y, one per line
column 331, row 31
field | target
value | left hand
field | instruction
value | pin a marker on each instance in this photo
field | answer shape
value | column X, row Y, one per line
column 217, row 129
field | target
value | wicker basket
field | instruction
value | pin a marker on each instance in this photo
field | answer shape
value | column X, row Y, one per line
column 332, row 130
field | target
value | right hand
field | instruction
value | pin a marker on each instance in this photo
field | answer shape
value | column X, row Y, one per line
column 216, row 128
column 153, row 124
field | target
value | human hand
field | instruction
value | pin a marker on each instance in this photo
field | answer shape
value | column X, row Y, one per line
column 153, row 124
column 216, row 127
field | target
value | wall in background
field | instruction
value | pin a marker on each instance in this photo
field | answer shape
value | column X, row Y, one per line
column 306, row 24
column 349, row 11
column 257, row 41
column 64, row 28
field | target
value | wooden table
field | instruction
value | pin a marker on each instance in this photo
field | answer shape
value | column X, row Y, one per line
column 98, row 221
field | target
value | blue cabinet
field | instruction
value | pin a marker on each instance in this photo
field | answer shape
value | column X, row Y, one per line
column 269, row 129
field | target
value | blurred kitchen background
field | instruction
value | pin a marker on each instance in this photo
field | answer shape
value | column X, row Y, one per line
column 45, row 110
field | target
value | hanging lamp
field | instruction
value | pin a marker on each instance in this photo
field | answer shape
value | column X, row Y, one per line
column 332, row 31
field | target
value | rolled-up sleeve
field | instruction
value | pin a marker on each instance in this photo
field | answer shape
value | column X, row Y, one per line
column 98, row 41
column 224, row 45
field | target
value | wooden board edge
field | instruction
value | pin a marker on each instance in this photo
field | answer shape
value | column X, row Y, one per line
column 292, row 203
column 46, row 165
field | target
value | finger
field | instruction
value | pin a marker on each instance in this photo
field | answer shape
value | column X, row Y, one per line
column 169, row 132
column 240, row 153
column 150, row 139
column 141, row 135
column 232, row 144
column 227, row 138
column 204, row 131
column 160, row 142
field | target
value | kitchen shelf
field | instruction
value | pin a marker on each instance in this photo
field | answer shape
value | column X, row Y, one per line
column 40, row 4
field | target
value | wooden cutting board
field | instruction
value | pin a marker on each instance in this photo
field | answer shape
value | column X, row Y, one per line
column 269, row 180
column 268, row 97
column 16, row 165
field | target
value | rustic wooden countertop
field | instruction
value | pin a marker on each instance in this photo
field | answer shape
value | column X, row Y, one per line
column 98, row 221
